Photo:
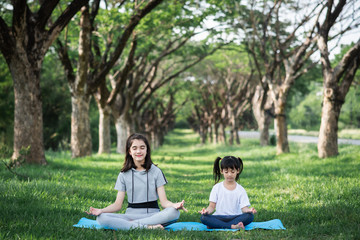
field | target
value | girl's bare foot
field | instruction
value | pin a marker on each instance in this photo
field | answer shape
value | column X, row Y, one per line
column 240, row 225
column 157, row 226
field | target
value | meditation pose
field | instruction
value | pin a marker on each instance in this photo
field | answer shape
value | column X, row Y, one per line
column 228, row 197
column 143, row 182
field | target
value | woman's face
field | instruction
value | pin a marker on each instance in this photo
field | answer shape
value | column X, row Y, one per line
column 138, row 151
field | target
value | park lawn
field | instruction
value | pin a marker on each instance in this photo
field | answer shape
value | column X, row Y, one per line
column 314, row 198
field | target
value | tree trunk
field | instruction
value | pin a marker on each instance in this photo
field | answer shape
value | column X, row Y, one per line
column 28, row 117
column 234, row 132
column 122, row 133
column 237, row 137
column 24, row 45
column 232, row 128
column 104, row 130
column 337, row 81
column 216, row 132
column 155, row 143
column 81, row 144
column 328, row 137
column 262, row 115
column 222, row 133
column 203, row 134
column 282, row 144
column 264, row 125
column 210, row 131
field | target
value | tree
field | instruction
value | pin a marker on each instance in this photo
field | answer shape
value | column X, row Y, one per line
column 155, row 59
column 24, row 44
column 159, row 114
column 226, row 86
column 93, row 67
column 336, row 79
column 284, row 57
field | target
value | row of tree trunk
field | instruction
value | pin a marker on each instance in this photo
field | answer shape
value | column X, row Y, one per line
column 286, row 60
column 283, row 60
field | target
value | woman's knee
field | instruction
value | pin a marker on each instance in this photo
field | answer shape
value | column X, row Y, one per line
column 102, row 218
column 173, row 212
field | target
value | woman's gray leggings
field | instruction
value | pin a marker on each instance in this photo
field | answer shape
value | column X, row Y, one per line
column 135, row 220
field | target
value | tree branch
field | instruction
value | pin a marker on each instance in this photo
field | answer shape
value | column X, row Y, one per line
column 347, row 60
column 121, row 44
column 44, row 13
column 64, row 19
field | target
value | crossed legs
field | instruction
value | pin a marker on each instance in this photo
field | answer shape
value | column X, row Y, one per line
column 227, row 221
column 128, row 221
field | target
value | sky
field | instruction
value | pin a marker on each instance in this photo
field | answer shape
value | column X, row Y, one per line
column 334, row 45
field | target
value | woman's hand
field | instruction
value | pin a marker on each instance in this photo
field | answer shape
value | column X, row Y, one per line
column 180, row 205
column 94, row 211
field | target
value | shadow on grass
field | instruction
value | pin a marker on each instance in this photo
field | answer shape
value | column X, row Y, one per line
column 314, row 198
column 181, row 138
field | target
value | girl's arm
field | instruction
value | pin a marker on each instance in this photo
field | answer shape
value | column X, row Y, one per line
column 209, row 210
column 248, row 210
column 165, row 203
column 116, row 206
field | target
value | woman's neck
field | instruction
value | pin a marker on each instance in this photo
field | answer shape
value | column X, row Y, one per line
column 139, row 166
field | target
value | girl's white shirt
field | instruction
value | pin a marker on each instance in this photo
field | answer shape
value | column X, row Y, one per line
column 229, row 202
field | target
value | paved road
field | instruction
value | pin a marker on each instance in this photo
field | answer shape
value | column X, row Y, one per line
column 298, row 138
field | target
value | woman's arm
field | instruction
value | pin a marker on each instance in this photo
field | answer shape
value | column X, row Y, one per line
column 248, row 210
column 116, row 206
column 165, row 203
column 209, row 210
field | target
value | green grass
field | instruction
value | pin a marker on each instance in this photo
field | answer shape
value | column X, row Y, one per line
column 314, row 198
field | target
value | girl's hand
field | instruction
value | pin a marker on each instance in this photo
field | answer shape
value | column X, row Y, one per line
column 203, row 212
column 180, row 205
column 248, row 210
column 94, row 211
column 252, row 210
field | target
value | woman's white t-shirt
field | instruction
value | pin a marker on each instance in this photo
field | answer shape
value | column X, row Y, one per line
column 229, row 202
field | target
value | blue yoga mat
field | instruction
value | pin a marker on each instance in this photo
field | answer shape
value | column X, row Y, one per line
column 190, row 226
column 196, row 226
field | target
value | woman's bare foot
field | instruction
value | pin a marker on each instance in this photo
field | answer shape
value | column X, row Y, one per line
column 240, row 225
column 157, row 226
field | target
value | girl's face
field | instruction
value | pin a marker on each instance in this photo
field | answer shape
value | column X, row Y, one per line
column 230, row 174
column 138, row 151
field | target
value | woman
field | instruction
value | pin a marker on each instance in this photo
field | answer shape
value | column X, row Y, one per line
column 143, row 182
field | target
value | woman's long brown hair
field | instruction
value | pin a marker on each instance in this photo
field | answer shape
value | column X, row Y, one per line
column 129, row 162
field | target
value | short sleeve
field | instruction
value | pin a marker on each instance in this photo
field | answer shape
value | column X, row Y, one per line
column 214, row 194
column 244, row 200
column 120, row 183
column 160, row 178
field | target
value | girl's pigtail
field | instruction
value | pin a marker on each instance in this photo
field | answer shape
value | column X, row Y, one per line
column 241, row 165
column 216, row 171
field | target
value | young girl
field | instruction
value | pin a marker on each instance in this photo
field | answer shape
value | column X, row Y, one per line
column 228, row 197
column 143, row 183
